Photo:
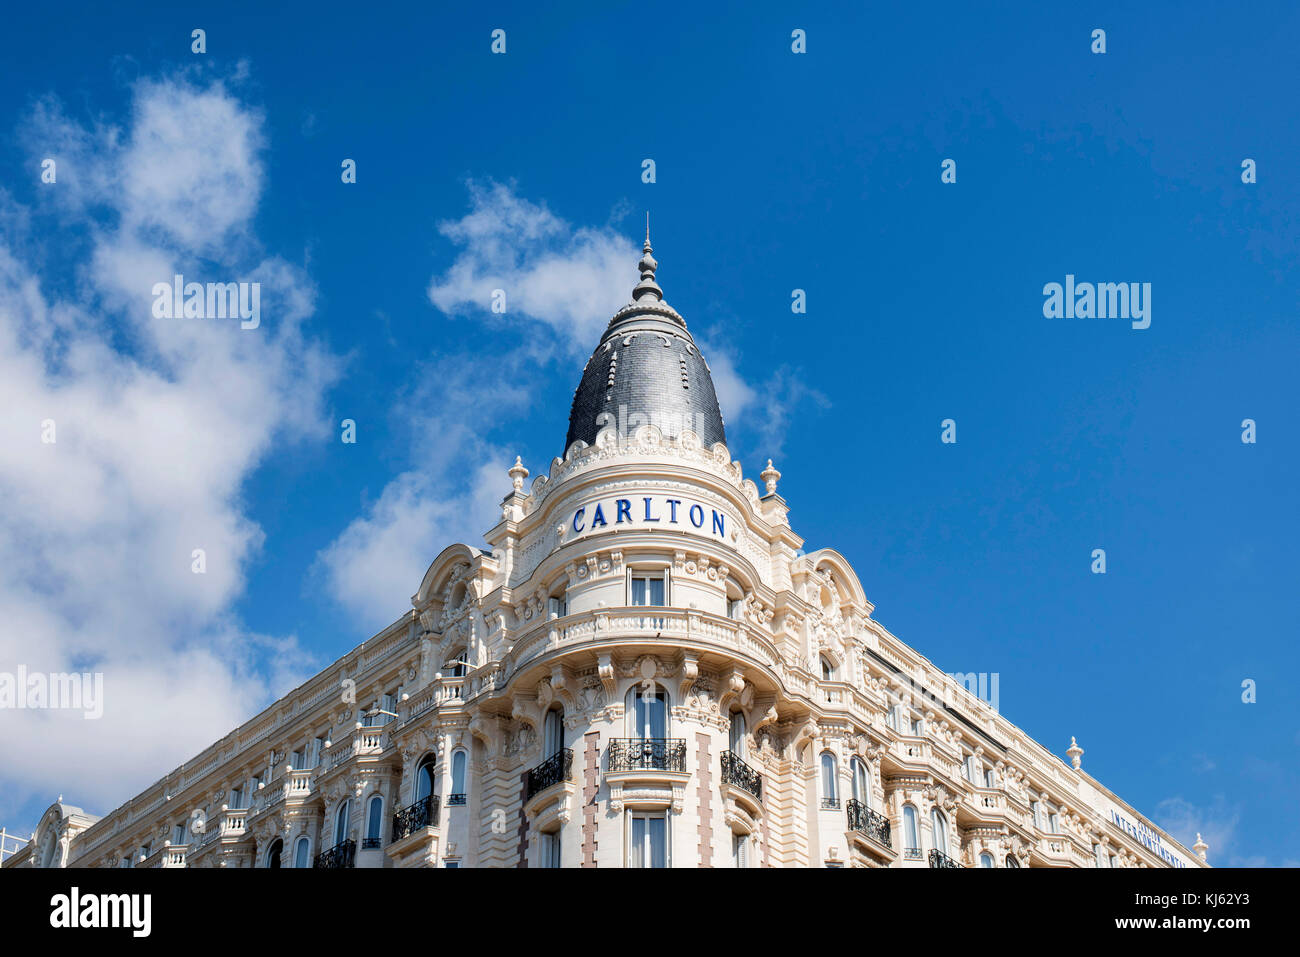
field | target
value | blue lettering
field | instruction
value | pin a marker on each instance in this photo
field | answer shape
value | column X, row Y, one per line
column 698, row 523
column 717, row 524
column 672, row 509
column 599, row 517
column 624, row 507
column 576, row 516
column 648, row 517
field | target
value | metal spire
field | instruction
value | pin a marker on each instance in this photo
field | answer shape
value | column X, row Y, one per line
column 647, row 286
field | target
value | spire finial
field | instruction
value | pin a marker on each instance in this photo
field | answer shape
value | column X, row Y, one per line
column 647, row 286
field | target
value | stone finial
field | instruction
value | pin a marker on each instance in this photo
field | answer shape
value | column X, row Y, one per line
column 1200, row 847
column 1075, row 752
column 770, row 477
column 517, row 474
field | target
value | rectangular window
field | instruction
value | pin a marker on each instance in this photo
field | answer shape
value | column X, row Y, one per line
column 178, row 837
column 990, row 780
column 558, row 606
column 550, row 856
column 736, row 609
column 1038, row 814
column 298, row 760
column 740, row 849
column 451, row 864
column 1054, row 822
column 647, row 588
column 648, row 839
column 236, row 799
column 916, row 727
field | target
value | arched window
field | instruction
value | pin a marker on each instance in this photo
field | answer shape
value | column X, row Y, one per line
column 341, row 822
column 424, row 779
column 459, row 760
column 986, row 859
column 830, row 796
column 736, row 734
column 273, row 854
column 910, row 833
column 375, row 823
column 940, row 825
column 647, row 712
column 553, row 732
column 861, row 781
column 302, row 853
column 1011, row 861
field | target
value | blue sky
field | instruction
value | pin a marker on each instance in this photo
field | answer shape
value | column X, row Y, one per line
column 774, row 171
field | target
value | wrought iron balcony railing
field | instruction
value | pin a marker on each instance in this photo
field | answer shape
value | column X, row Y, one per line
column 647, row 754
column 552, row 771
column 868, row 822
column 343, row 854
column 739, row 774
column 940, row 859
column 423, row 813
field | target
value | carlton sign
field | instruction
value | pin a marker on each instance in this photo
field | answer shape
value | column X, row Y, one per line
column 649, row 511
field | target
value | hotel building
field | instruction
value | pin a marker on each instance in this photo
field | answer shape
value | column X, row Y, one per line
column 641, row 667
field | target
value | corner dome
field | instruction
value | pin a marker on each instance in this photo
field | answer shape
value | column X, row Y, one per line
column 646, row 370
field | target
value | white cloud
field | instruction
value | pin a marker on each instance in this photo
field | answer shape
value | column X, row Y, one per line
column 1217, row 825
column 158, row 425
column 450, row 492
column 570, row 278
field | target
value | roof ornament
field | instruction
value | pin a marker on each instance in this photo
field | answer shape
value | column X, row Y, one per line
column 1200, row 847
column 517, row 474
column 770, row 477
column 647, row 288
column 1075, row 752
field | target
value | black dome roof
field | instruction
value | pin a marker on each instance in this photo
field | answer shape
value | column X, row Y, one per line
column 646, row 370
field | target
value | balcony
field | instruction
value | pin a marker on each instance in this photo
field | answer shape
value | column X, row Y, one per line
column 343, row 854
column 736, row 773
column 423, row 813
column 647, row 754
column 940, row 859
column 866, row 821
column 549, row 773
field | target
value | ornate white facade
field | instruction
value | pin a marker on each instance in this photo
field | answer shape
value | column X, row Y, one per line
column 642, row 668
